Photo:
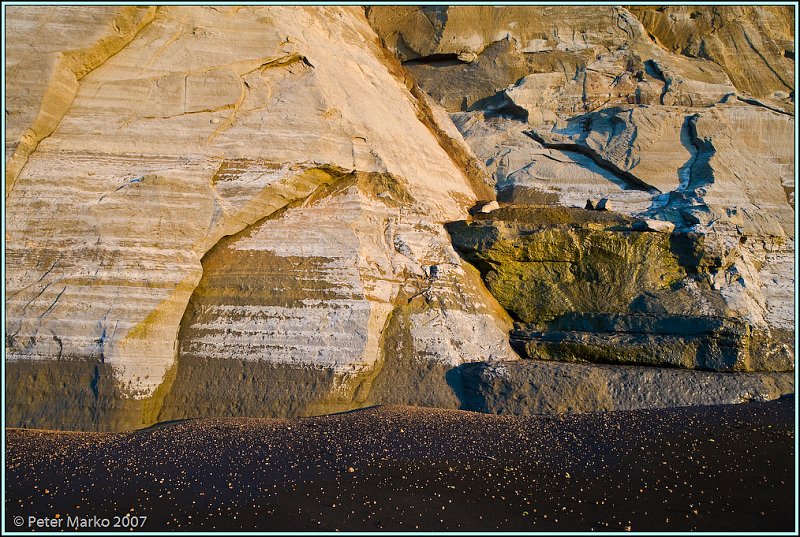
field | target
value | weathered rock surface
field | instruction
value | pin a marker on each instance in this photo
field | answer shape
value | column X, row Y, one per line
column 242, row 122
column 221, row 211
column 527, row 172
column 753, row 44
column 535, row 387
column 591, row 286
column 659, row 110
column 42, row 75
column 548, row 59
column 725, row 173
column 571, row 59
column 326, row 306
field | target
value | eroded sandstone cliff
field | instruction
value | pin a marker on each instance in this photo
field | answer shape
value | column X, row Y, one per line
column 270, row 169
column 680, row 121
column 245, row 210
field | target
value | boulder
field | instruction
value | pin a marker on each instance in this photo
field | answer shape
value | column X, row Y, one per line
column 489, row 207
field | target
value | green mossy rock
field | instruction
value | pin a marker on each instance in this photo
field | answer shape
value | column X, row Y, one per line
column 541, row 263
column 591, row 286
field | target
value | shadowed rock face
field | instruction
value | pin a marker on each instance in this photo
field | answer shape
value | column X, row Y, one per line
column 542, row 272
column 535, row 387
column 219, row 211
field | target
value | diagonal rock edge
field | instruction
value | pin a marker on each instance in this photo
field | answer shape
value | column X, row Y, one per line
column 624, row 175
column 254, row 384
column 108, row 404
column 457, row 150
column 105, row 391
column 329, row 176
column 350, row 392
column 154, row 406
column 63, row 86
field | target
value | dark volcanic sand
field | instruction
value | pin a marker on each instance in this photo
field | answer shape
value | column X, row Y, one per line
column 725, row 468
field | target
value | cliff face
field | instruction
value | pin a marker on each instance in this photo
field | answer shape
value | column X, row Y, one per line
column 241, row 210
column 239, row 196
column 678, row 120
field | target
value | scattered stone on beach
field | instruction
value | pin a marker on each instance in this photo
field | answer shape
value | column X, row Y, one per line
column 716, row 468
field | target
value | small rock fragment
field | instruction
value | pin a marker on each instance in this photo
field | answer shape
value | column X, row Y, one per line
column 467, row 56
column 649, row 224
column 603, row 205
column 489, row 207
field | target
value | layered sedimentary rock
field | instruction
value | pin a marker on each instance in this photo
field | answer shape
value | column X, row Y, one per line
column 241, row 210
column 321, row 310
column 753, row 44
column 593, row 286
column 43, row 75
column 680, row 120
column 576, row 60
column 288, row 130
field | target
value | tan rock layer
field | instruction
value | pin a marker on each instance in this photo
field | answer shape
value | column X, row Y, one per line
column 59, row 73
column 753, row 44
column 296, row 135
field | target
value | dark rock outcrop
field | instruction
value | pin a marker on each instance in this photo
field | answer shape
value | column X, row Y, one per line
column 588, row 286
column 536, row 387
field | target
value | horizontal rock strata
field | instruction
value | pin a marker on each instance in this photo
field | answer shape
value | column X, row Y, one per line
column 595, row 286
column 259, row 210
column 210, row 123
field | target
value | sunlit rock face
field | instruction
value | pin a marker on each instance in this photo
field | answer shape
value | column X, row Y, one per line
column 681, row 119
column 268, row 211
column 598, row 286
column 233, row 188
